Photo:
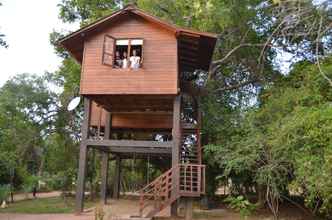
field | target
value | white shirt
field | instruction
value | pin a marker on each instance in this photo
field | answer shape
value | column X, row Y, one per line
column 134, row 62
column 124, row 63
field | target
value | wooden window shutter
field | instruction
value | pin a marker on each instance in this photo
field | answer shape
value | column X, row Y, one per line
column 108, row 50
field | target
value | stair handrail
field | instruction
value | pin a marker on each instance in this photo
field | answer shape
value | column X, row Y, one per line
column 155, row 180
column 149, row 191
column 160, row 190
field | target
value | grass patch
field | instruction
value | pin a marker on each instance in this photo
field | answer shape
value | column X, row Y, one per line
column 44, row 205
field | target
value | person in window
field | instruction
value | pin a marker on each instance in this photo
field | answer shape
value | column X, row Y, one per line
column 135, row 60
column 125, row 61
column 118, row 60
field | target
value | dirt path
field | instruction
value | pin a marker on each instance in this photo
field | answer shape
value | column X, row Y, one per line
column 11, row 216
column 22, row 196
column 127, row 207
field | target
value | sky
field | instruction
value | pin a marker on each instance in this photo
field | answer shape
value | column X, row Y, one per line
column 27, row 25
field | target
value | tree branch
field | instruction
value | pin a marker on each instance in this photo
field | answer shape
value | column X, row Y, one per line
column 239, row 85
column 317, row 52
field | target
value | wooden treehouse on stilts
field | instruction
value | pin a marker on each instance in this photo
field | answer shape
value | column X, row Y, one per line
column 135, row 77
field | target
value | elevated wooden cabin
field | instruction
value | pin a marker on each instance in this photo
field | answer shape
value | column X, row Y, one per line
column 134, row 78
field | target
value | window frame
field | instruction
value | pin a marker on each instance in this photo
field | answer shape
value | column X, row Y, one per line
column 128, row 50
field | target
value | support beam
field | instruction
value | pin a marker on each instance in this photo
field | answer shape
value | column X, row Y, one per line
column 104, row 162
column 129, row 146
column 117, row 178
column 188, row 208
column 176, row 131
column 83, row 158
column 104, row 177
column 176, row 136
column 137, row 150
column 130, row 143
column 81, row 178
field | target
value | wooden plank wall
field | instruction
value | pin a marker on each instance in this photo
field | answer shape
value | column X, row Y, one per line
column 157, row 121
column 159, row 72
column 98, row 115
column 131, row 120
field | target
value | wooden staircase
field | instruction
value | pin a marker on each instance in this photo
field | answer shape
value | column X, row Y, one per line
column 181, row 180
column 187, row 179
column 191, row 147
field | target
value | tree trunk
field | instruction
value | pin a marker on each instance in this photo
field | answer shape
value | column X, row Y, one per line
column 261, row 192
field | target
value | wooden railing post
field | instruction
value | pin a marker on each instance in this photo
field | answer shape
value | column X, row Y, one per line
column 203, row 188
column 167, row 187
column 191, row 179
column 199, row 179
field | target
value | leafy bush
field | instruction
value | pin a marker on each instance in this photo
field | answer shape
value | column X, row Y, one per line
column 29, row 183
column 54, row 182
column 241, row 205
column 4, row 192
column 8, row 165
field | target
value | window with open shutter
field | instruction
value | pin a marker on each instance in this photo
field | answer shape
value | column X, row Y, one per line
column 129, row 53
column 108, row 50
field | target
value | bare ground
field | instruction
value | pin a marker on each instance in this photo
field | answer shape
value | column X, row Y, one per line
column 129, row 207
column 23, row 196
column 11, row 216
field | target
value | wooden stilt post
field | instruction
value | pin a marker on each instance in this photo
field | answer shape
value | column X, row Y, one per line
column 83, row 158
column 104, row 175
column 117, row 178
column 104, row 162
column 188, row 208
column 176, row 137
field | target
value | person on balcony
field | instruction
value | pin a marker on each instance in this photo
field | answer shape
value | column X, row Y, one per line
column 125, row 61
column 135, row 60
column 118, row 60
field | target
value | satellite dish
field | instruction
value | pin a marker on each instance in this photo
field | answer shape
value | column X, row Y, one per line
column 73, row 103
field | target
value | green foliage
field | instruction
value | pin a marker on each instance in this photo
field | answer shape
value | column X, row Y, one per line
column 85, row 10
column 3, row 43
column 284, row 143
column 8, row 165
column 28, row 111
column 34, row 131
column 242, row 205
column 4, row 192
column 30, row 182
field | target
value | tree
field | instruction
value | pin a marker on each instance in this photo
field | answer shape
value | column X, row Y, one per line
column 283, row 144
column 27, row 116
column 2, row 41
